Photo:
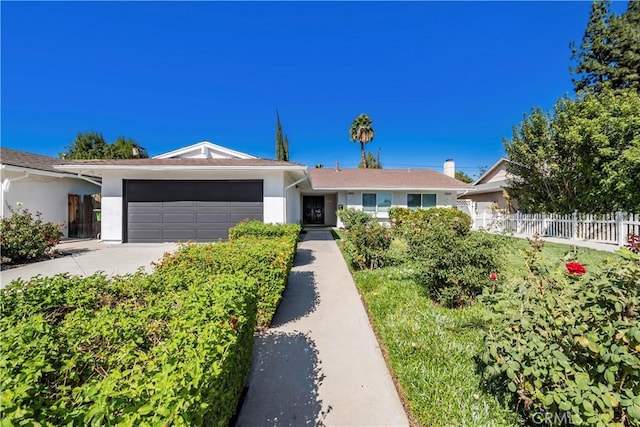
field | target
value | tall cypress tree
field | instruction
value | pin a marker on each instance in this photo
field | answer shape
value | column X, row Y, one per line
column 280, row 154
column 285, row 148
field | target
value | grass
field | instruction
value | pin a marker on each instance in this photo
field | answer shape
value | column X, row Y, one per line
column 433, row 350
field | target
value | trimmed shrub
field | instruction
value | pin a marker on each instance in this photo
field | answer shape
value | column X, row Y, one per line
column 132, row 350
column 366, row 242
column 24, row 236
column 260, row 229
column 455, row 269
column 352, row 217
column 367, row 245
column 266, row 260
column 408, row 222
column 566, row 342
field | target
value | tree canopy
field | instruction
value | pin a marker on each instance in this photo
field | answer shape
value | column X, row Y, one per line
column 92, row 145
column 584, row 156
column 609, row 55
column 461, row 176
column 361, row 132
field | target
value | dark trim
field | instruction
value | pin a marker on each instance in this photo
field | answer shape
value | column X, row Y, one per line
column 125, row 213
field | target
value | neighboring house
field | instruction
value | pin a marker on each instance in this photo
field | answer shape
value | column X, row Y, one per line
column 32, row 180
column 489, row 192
column 198, row 192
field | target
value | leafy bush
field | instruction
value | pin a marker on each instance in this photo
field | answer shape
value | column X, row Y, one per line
column 566, row 343
column 266, row 260
column 24, row 237
column 453, row 268
column 352, row 217
column 408, row 222
column 133, row 350
column 260, row 229
column 366, row 245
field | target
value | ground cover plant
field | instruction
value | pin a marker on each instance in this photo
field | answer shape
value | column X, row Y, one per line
column 168, row 348
column 435, row 352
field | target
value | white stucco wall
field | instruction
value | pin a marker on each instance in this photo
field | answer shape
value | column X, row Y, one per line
column 45, row 194
column 275, row 210
column 353, row 200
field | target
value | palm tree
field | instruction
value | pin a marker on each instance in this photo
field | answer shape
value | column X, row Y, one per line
column 362, row 132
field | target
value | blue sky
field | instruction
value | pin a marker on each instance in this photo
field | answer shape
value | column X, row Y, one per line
column 439, row 79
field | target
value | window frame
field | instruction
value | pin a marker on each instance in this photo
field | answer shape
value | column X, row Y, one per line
column 421, row 204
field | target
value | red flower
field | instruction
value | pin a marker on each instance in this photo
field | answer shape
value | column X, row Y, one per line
column 234, row 321
column 574, row 267
column 493, row 276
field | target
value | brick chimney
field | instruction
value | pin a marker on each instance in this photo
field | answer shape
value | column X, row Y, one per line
column 449, row 168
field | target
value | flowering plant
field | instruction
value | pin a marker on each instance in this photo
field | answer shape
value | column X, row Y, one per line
column 633, row 242
column 576, row 268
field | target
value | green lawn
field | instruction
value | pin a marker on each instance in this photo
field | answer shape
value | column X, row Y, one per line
column 432, row 350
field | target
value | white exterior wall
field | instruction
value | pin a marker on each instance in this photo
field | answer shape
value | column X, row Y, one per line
column 112, row 198
column 353, row 200
column 45, row 194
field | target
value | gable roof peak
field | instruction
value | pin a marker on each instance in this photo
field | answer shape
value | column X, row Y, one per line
column 204, row 150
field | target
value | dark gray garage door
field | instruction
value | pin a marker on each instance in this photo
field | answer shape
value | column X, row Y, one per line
column 172, row 211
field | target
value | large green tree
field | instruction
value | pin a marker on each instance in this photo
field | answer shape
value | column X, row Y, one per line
column 92, row 145
column 609, row 54
column 584, row 156
column 461, row 176
column 361, row 131
column 126, row 148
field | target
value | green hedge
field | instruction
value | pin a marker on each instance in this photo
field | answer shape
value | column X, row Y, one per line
column 409, row 221
column 266, row 260
column 260, row 229
column 133, row 350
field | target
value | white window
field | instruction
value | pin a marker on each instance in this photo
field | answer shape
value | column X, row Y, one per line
column 415, row 201
column 376, row 202
column 369, row 202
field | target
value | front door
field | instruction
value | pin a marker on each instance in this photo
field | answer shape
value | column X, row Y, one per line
column 313, row 209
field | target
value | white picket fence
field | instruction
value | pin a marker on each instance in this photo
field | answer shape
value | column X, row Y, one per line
column 611, row 228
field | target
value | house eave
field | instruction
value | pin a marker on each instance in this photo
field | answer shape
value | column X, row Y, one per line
column 35, row 171
column 177, row 167
column 457, row 189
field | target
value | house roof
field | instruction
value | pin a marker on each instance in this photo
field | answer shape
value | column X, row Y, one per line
column 490, row 171
column 398, row 179
column 178, row 163
column 21, row 160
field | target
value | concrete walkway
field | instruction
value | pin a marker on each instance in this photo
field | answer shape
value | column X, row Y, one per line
column 320, row 363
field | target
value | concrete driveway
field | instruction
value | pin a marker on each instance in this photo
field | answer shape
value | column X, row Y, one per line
column 90, row 256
